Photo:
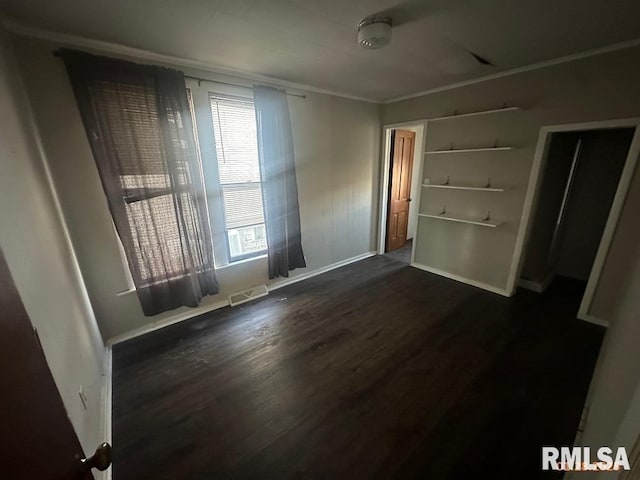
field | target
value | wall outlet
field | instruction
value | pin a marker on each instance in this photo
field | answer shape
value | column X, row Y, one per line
column 83, row 397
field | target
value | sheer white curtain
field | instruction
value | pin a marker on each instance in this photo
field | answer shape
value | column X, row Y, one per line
column 279, row 186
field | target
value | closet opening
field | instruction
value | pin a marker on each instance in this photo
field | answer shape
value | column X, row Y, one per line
column 579, row 180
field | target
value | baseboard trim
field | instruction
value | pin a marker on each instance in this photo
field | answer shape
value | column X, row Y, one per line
column 223, row 303
column 457, row 278
column 106, row 404
column 181, row 317
column 531, row 285
column 594, row 320
column 319, row 271
column 537, row 287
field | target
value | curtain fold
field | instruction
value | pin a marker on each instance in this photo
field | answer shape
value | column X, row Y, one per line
column 138, row 122
column 279, row 187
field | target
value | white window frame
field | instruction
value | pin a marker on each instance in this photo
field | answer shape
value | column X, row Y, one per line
column 200, row 92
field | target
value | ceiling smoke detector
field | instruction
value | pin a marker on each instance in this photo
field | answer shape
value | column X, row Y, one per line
column 374, row 31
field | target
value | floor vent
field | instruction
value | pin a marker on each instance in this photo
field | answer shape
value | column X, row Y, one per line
column 247, row 295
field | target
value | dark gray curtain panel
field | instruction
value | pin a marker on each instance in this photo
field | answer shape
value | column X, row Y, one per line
column 139, row 126
column 279, row 187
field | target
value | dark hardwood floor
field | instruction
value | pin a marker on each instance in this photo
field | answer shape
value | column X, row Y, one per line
column 402, row 254
column 374, row 370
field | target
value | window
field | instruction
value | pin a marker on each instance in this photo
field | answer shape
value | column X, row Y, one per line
column 236, row 147
column 149, row 195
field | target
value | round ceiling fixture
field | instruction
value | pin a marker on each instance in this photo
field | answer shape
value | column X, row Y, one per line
column 374, row 31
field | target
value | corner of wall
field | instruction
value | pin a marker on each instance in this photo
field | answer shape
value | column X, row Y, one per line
column 42, row 260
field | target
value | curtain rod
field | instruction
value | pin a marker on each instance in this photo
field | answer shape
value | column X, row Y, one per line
column 299, row 95
column 56, row 53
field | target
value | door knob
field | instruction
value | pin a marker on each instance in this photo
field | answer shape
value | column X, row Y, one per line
column 101, row 459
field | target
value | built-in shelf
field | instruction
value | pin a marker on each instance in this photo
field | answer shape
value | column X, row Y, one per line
column 486, row 222
column 464, row 187
column 473, row 114
column 446, row 184
column 468, row 150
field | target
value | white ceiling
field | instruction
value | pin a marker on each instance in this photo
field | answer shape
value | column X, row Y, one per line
column 313, row 42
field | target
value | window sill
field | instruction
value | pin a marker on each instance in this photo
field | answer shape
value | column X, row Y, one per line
column 241, row 262
column 126, row 292
column 221, row 267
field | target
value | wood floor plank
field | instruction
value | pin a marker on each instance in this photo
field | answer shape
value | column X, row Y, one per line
column 374, row 370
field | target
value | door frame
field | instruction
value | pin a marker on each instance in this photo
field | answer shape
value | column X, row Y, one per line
column 385, row 177
column 533, row 191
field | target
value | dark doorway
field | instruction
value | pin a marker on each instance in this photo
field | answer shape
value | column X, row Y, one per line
column 579, row 182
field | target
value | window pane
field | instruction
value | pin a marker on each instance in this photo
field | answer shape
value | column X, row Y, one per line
column 155, row 223
column 154, row 240
column 135, row 130
column 247, row 240
column 242, row 205
column 234, row 128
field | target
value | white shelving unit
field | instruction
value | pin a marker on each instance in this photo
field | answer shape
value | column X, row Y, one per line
column 468, row 150
column 463, row 187
column 486, row 222
column 486, row 188
column 474, row 114
column 491, row 146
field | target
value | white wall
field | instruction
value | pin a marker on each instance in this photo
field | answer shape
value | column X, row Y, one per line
column 617, row 374
column 337, row 145
column 614, row 408
column 33, row 240
column 595, row 88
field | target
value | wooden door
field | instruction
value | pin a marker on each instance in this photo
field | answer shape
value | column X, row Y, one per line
column 38, row 439
column 402, row 146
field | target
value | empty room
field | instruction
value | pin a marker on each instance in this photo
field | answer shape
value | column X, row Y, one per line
column 302, row 239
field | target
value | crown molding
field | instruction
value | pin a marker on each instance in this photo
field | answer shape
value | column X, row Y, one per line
column 123, row 50
column 77, row 41
column 527, row 68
